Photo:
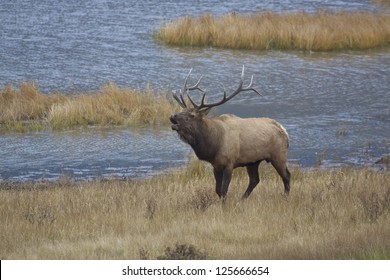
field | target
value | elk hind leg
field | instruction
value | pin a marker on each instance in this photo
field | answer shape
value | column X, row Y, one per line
column 254, row 179
column 284, row 173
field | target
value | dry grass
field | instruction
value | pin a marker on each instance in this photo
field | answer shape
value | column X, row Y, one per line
column 330, row 214
column 26, row 108
column 321, row 31
column 381, row 2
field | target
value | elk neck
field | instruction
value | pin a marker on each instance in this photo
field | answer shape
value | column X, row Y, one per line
column 206, row 139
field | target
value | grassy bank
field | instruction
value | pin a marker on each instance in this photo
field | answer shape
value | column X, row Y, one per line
column 26, row 108
column 338, row 214
column 321, row 31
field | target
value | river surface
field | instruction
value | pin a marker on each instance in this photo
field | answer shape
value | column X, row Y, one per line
column 335, row 106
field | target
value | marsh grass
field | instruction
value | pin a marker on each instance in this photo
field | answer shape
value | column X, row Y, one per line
column 321, row 31
column 26, row 108
column 381, row 2
column 330, row 214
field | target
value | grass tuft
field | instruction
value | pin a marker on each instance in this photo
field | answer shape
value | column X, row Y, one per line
column 321, row 31
column 183, row 252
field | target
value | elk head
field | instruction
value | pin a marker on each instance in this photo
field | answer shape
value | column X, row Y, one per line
column 189, row 122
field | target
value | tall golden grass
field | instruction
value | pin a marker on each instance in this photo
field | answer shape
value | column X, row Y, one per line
column 321, row 31
column 27, row 108
column 330, row 214
column 381, row 2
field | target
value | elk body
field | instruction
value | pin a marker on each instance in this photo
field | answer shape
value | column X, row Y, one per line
column 228, row 142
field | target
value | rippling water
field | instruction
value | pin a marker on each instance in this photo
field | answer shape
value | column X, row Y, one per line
column 335, row 106
column 89, row 154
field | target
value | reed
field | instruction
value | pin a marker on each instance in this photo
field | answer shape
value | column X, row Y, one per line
column 26, row 108
column 321, row 31
column 330, row 214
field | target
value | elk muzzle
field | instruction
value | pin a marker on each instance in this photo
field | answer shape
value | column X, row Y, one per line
column 173, row 119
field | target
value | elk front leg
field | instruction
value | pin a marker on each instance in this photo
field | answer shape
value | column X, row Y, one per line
column 227, row 176
column 218, row 175
column 222, row 181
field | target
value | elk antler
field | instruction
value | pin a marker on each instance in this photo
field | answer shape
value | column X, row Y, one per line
column 202, row 106
column 185, row 90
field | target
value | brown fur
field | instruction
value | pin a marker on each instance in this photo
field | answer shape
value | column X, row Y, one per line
column 228, row 142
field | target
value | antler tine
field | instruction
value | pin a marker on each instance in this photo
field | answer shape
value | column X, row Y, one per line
column 186, row 90
column 179, row 100
column 185, row 81
column 196, row 86
column 201, row 101
column 250, row 87
column 182, row 100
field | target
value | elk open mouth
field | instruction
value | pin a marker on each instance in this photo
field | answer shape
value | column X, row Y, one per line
column 174, row 125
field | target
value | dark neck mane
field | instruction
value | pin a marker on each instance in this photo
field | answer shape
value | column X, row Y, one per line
column 206, row 140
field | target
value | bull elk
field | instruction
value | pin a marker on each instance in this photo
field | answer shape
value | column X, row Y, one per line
column 228, row 141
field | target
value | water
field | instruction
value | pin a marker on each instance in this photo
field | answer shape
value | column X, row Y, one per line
column 336, row 107
column 89, row 154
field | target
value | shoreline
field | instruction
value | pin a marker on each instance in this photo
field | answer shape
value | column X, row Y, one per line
column 5, row 183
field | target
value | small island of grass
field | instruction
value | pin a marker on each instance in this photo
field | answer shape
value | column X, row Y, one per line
column 320, row 31
column 27, row 108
